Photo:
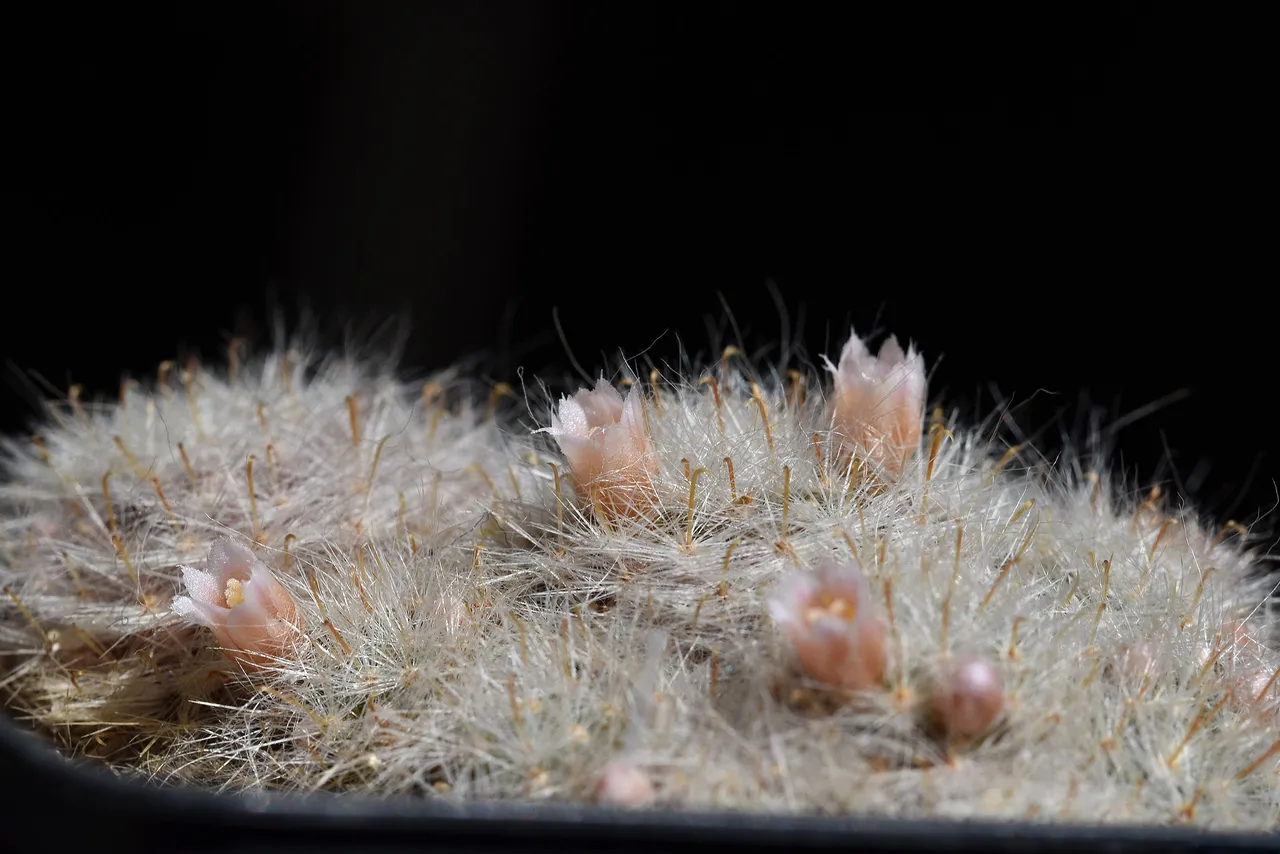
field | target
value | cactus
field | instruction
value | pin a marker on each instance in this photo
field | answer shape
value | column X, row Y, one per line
column 776, row 594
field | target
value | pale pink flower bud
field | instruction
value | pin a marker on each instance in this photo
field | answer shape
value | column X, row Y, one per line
column 968, row 696
column 879, row 402
column 1241, row 662
column 1133, row 661
column 607, row 446
column 241, row 601
column 624, row 785
column 833, row 626
column 1242, row 644
column 1256, row 692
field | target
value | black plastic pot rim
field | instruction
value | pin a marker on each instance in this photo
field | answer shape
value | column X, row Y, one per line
column 184, row 818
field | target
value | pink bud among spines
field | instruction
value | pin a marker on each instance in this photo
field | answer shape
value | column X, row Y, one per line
column 1241, row 643
column 624, row 785
column 606, row 444
column 1257, row 693
column 879, row 402
column 239, row 599
column 968, row 696
column 832, row 624
column 1241, row 662
column 1133, row 661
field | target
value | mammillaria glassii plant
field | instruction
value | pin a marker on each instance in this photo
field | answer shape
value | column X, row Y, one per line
column 308, row 573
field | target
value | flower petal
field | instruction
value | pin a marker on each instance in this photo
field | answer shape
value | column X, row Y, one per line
column 228, row 559
column 602, row 405
column 790, row 598
column 278, row 601
column 845, row 581
column 200, row 613
column 254, row 630
column 569, row 420
column 855, row 357
column 891, row 351
column 258, row 589
column 203, row 587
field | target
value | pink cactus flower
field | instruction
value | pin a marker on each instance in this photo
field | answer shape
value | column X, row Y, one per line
column 879, row 402
column 605, row 441
column 252, row 615
column 830, row 620
column 968, row 696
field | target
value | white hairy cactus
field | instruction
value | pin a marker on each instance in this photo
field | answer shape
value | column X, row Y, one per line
column 824, row 603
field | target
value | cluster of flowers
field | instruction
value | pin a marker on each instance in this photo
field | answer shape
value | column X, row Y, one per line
column 833, row 627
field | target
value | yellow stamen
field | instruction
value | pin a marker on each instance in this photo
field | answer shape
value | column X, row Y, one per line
column 831, row 606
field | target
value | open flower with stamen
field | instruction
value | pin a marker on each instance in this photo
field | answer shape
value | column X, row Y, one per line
column 607, row 445
column 252, row 615
column 836, row 632
column 879, row 403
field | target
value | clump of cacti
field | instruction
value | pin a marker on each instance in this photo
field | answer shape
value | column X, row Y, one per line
column 725, row 589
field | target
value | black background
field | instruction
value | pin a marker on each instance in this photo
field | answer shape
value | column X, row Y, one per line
column 1049, row 201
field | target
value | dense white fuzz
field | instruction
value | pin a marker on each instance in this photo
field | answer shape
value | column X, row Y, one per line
column 715, row 590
